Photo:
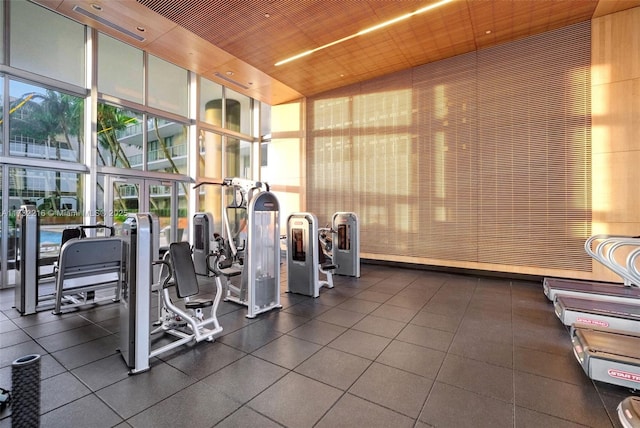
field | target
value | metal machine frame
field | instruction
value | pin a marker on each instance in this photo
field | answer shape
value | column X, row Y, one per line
column 303, row 256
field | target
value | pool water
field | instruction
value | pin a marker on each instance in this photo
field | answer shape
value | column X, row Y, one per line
column 50, row 236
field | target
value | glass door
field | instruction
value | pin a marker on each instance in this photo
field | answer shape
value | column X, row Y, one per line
column 167, row 199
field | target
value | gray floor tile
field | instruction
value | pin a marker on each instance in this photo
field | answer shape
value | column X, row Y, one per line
column 56, row 326
column 395, row 389
column 351, row 411
column 478, row 330
column 104, row 372
column 202, row 359
column 198, row 405
column 87, row 352
column 296, row 401
column 358, row 305
column 341, row 317
column 477, row 376
column 407, row 301
column 427, row 337
column 88, row 411
column 526, row 418
column 245, row 378
column 136, row 393
column 14, row 337
column 8, row 354
column 359, row 343
column 308, row 309
column 436, row 321
column 59, row 390
column 379, row 326
column 251, row 337
column 333, row 367
column 395, row 313
column 246, row 417
column 284, row 322
column 373, row 296
column 496, row 353
column 287, row 351
column 559, row 367
column 449, row 406
column 412, row 358
column 69, row 338
column 318, row 332
column 564, row 400
column 552, row 340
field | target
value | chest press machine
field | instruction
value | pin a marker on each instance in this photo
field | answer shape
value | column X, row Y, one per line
column 192, row 320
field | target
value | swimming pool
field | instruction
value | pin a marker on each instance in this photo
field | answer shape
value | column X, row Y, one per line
column 50, row 236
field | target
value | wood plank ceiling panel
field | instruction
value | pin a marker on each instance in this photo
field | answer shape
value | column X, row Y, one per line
column 213, row 34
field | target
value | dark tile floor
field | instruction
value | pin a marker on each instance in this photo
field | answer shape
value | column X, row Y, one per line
column 394, row 348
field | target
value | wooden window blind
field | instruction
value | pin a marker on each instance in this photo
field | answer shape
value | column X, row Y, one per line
column 484, row 157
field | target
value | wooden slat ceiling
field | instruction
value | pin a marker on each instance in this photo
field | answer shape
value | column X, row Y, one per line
column 238, row 42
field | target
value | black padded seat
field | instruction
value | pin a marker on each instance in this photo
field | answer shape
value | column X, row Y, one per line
column 198, row 304
column 229, row 272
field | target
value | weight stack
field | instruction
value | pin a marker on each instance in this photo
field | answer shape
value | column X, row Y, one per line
column 25, row 392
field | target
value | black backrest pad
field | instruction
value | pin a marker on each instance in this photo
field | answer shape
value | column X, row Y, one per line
column 184, row 272
column 70, row 233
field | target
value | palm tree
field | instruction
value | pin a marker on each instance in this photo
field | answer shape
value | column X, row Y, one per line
column 46, row 117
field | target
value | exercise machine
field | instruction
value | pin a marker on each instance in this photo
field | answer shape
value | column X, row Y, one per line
column 27, row 259
column 88, row 266
column 601, row 310
column 346, row 243
column 250, row 244
column 629, row 412
column 608, row 355
column 598, row 313
column 306, row 259
column 204, row 242
column 140, row 234
column 604, row 253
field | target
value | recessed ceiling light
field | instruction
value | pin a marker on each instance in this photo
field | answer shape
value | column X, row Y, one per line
column 267, row 15
column 141, row 29
column 96, row 6
column 487, row 32
column 229, row 73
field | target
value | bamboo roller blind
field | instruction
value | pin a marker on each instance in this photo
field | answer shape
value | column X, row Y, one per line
column 484, row 157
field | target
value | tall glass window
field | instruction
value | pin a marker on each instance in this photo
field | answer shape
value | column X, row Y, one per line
column 167, row 146
column 44, row 123
column 57, row 196
column 120, row 69
column 210, row 102
column 47, row 43
column 210, row 166
column 238, row 158
column 120, row 137
column 168, row 87
column 238, row 112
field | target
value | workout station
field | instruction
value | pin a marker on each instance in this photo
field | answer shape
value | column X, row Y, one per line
column 604, row 318
column 313, row 251
column 196, row 322
column 88, row 270
column 249, row 244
